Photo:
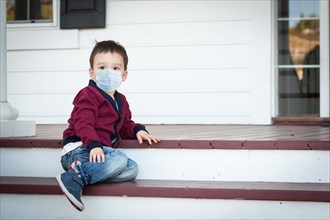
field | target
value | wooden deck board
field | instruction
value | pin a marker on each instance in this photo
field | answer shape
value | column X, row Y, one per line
column 242, row 132
column 203, row 136
column 212, row 132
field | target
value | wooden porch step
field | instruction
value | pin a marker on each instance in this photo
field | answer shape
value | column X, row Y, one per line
column 183, row 144
column 276, row 191
column 201, row 137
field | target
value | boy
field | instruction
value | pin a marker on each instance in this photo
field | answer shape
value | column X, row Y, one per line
column 99, row 119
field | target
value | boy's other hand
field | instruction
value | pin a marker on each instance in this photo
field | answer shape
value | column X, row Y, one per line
column 96, row 155
column 143, row 135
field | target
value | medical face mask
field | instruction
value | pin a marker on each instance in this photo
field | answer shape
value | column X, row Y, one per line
column 108, row 80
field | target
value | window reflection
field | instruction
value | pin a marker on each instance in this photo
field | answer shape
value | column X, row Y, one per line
column 29, row 11
column 298, row 56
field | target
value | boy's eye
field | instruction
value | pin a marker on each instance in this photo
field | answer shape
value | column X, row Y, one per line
column 101, row 67
column 116, row 68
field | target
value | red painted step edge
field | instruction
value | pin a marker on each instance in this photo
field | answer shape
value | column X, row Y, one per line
column 181, row 144
column 313, row 192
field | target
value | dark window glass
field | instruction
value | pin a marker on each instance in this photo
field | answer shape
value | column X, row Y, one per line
column 298, row 57
column 29, row 11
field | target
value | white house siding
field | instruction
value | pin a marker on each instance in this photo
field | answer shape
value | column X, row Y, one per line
column 205, row 62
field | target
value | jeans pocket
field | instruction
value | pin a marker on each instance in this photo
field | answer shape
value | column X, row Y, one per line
column 81, row 154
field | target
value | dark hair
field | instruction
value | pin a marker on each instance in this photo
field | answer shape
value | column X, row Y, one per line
column 108, row 46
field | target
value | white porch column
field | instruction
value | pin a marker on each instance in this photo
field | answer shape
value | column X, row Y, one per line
column 9, row 127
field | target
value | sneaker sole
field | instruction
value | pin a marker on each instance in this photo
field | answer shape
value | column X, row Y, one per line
column 78, row 205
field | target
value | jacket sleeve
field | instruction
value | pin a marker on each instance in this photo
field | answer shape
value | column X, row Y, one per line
column 84, row 118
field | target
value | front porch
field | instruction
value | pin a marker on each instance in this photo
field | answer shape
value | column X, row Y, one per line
column 274, row 172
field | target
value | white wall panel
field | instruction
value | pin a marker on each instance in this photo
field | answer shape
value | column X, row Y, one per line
column 168, row 34
column 191, row 57
column 43, row 105
column 204, row 108
column 187, row 80
column 213, row 53
column 47, row 82
column 131, row 12
column 39, row 39
column 182, row 106
column 47, row 60
column 170, row 57
column 146, row 81
column 190, row 104
column 183, row 119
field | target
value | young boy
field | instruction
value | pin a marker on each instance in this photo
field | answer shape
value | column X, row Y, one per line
column 99, row 119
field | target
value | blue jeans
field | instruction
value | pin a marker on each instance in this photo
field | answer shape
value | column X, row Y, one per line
column 116, row 168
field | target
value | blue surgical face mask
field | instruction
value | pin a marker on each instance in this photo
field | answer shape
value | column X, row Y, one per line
column 108, row 80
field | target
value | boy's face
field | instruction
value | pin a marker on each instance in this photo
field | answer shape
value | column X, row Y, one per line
column 112, row 61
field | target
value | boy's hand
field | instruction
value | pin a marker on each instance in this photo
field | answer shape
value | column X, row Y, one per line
column 143, row 135
column 96, row 155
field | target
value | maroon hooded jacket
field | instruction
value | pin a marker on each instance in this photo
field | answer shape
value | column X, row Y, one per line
column 97, row 120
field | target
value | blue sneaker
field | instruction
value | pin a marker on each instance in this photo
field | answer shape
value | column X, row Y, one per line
column 72, row 186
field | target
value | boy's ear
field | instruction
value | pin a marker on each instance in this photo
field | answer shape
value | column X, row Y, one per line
column 92, row 74
column 125, row 75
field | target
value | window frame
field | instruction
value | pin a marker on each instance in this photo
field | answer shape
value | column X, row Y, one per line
column 54, row 23
column 324, row 60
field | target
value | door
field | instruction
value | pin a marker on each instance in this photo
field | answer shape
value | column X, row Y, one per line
column 302, row 62
column 298, row 66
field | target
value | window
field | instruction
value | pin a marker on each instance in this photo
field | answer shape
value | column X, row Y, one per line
column 298, row 55
column 29, row 11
